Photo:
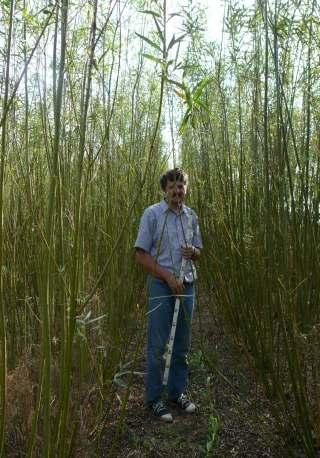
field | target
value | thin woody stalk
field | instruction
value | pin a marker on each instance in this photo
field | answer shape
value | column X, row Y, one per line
column 3, row 342
column 144, row 176
column 48, row 290
column 72, row 309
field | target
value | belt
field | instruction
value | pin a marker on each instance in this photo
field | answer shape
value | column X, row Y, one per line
column 186, row 283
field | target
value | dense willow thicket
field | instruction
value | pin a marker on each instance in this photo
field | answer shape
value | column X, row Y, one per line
column 80, row 131
column 254, row 155
column 83, row 99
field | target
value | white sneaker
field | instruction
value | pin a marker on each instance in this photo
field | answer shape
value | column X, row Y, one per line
column 185, row 404
column 160, row 410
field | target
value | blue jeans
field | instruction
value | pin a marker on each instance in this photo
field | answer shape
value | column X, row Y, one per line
column 161, row 304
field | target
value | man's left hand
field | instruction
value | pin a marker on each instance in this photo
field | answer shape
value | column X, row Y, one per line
column 188, row 252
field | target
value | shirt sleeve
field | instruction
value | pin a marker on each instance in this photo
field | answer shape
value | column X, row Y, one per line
column 197, row 239
column 145, row 232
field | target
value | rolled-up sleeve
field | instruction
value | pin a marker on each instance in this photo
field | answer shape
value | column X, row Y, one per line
column 144, row 238
column 196, row 240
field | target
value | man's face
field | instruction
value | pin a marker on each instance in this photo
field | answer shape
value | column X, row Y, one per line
column 175, row 192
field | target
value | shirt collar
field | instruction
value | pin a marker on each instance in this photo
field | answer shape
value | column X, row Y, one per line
column 165, row 207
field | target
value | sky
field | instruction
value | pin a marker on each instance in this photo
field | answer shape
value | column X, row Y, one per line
column 215, row 10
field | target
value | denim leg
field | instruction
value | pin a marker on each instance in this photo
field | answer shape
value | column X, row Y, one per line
column 160, row 313
column 179, row 366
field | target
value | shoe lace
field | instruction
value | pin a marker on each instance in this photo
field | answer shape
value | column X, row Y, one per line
column 158, row 406
column 183, row 401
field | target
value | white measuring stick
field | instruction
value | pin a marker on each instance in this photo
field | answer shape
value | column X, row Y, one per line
column 176, row 313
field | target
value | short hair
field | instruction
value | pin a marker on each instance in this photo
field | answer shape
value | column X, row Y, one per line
column 176, row 174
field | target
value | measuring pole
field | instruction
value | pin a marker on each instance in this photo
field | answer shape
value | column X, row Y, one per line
column 176, row 307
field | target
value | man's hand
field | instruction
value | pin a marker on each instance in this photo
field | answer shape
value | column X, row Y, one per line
column 187, row 251
column 147, row 261
column 175, row 284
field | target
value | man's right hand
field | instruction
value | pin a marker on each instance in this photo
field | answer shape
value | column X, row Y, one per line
column 175, row 285
column 147, row 261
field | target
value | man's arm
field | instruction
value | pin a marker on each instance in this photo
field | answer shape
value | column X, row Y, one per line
column 150, row 265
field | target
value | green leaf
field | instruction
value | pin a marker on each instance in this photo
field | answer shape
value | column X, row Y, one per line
column 88, row 315
column 151, row 43
column 171, row 42
column 184, row 121
column 98, row 318
column 175, row 40
column 180, row 94
column 188, row 95
column 173, row 15
column 153, row 13
column 153, row 58
column 203, row 106
column 160, row 33
column 179, row 66
column 175, row 83
column 200, row 86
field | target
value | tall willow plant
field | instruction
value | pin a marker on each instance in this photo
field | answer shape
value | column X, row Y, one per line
column 3, row 152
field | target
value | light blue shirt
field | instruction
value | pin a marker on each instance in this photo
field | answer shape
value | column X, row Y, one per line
column 162, row 232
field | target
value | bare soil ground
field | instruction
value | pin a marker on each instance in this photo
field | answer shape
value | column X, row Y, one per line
column 233, row 418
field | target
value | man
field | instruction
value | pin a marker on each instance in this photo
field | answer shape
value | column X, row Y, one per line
column 161, row 244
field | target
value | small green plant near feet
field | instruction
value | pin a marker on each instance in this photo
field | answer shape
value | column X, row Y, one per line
column 197, row 367
column 196, row 360
column 213, row 428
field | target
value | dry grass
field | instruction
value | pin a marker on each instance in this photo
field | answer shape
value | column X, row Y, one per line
column 19, row 406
